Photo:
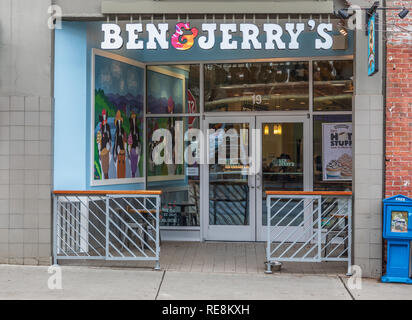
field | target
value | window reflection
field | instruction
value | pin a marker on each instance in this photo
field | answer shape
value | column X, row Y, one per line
column 333, row 85
column 173, row 89
column 257, row 86
column 228, row 179
column 179, row 182
column 282, row 168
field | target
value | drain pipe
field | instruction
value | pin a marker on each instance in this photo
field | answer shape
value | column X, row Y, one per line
column 384, row 79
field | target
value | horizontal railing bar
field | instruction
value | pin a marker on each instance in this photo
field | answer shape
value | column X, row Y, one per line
column 293, row 260
column 310, row 193
column 335, row 259
column 137, row 258
column 80, row 257
column 107, row 192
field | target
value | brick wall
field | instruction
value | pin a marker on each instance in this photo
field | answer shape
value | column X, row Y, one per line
column 399, row 102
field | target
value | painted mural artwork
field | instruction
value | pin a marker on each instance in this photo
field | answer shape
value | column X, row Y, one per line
column 165, row 90
column 118, row 120
column 372, row 46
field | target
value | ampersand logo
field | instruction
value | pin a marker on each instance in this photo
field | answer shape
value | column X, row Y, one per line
column 184, row 42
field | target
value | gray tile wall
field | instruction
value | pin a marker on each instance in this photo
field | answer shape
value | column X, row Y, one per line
column 368, row 128
column 25, row 132
column 368, row 153
column 25, row 180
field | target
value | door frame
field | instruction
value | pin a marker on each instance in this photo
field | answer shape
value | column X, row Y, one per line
column 261, row 230
column 230, row 232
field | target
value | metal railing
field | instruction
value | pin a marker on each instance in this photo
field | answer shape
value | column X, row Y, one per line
column 308, row 227
column 106, row 225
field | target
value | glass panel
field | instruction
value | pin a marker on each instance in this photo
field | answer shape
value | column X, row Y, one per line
column 265, row 86
column 173, row 89
column 333, row 85
column 318, row 183
column 179, row 182
column 228, row 177
column 282, row 166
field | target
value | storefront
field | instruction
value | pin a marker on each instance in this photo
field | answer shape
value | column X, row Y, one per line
column 275, row 84
column 88, row 88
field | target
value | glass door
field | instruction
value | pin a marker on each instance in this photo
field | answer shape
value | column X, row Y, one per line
column 229, row 186
column 285, row 166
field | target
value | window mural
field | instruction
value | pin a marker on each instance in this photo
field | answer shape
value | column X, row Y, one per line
column 117, row 119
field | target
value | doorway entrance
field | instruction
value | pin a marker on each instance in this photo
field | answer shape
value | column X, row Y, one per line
column 247, row 156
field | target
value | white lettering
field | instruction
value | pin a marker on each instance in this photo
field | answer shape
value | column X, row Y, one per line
column 250, row 33
column 112, row 37
column 157, row 34
column 273, row 34
column 290, row 28
column 210, row 28
column 327, row 44
column 133, row 30
column 227, row 42
column 276, row 36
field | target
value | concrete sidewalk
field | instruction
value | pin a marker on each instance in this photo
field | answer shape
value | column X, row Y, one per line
column 26, row 282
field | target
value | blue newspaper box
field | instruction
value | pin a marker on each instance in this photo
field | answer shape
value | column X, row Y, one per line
column 397, row 230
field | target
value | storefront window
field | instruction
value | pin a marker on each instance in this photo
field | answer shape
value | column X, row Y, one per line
column 270, row 86
column 179, row 180
column 332, row 152
column 282, row 169
column 173, row 89
column 333, row 85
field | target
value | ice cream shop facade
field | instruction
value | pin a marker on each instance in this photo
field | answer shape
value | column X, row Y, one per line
column 229, row 118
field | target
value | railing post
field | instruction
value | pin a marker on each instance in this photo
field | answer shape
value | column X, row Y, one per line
column 319, row 199
column 157, row 265
column 268, row 209
column 349, row 236
column 54, row 229
column 107, row 226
